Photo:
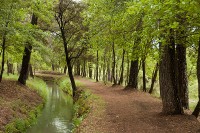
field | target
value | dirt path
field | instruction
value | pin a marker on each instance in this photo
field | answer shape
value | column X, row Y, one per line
column 131, row 112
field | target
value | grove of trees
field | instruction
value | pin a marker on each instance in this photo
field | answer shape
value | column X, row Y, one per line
column 135, row 43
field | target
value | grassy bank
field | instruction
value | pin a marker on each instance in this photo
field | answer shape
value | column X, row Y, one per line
column 82, row 100
column 20, row 104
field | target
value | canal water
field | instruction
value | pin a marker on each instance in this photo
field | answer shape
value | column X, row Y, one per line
column 56, row 116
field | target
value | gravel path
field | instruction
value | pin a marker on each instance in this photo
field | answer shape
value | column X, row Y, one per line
column 131, row 112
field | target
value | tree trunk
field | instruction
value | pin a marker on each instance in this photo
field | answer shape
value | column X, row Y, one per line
column 133, row 75
column 128, row 68
column 168, row 76
column 104, row 68
column 97, row 67
column 108, row 71
column 144, row 75
column 197, row 108
column 122, row 69
column 68, row 60
column 65, row 69
column 53, row 67
column 26, row 57
column 9, row 67
column 78, row 68
column 90, row 70
column 114, row 63
column 3, row 56
column 31, row 71
column 18, row 68
column 84, row 68
column 182, row 75
column 154, row 75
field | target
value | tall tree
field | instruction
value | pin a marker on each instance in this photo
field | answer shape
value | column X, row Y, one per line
column 27, row 56
column 68, row 17
column 168, row 78
column 197, row 108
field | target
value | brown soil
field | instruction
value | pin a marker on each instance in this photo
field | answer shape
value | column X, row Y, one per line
column 131, row 112
column 16, row 101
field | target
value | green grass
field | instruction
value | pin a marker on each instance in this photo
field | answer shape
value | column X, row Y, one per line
column 19, row 125
column 39, row 85
column 36, row 84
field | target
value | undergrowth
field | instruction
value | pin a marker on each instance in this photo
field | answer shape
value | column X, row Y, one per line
column 20, row 125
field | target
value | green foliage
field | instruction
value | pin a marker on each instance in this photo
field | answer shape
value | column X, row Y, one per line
column 81, row 106
column 65, row 85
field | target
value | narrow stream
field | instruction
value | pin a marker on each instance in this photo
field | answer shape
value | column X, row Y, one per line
column 56, row 116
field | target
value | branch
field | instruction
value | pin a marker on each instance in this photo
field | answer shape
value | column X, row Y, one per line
column 78, row 55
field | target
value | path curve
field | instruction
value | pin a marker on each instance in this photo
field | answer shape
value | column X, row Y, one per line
column 131, row 112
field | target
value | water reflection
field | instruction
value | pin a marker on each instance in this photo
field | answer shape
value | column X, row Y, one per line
column 56, row 116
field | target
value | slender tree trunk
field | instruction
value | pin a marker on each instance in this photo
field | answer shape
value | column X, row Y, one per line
column 122, row 69
column 31, row 71
column 104, row 67
column 116, row 73
column 18, row 68
column 97, row 67
column 3, row 56
column 68, row 60
column 133, row 75
column 144, row 75
column 114, row 63
column 65, row 69
column 99, row 73
column 84, row 68
column 154, row 75
column 26, row 57
column 128, row 68
column 78, row 68
column 109, row 73
column 90, row 70
column 197, row 108
column 168, row 80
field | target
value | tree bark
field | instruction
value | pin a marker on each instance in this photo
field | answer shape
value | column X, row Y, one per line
column 26, row 57
column 122, row 69
column 128, row 68
column 65, row 69
column 84, row 68
column 68, row 60
column 114, row 63
column 90, row 70
column 109, row 72
column 31, row 71
column 197, row 108
column 78, row 68
column 133, row 75
column 53, row 67
column 144, row 75
column 3, row 56
column 154, row 75
column 168, row 79
column 182, row 75
column 97, row 67
column 9, row 67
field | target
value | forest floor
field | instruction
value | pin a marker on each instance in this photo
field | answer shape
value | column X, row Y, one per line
column 16, row 101
column 130, row 112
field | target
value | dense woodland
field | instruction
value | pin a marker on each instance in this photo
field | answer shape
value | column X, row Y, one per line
column 140, row 44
